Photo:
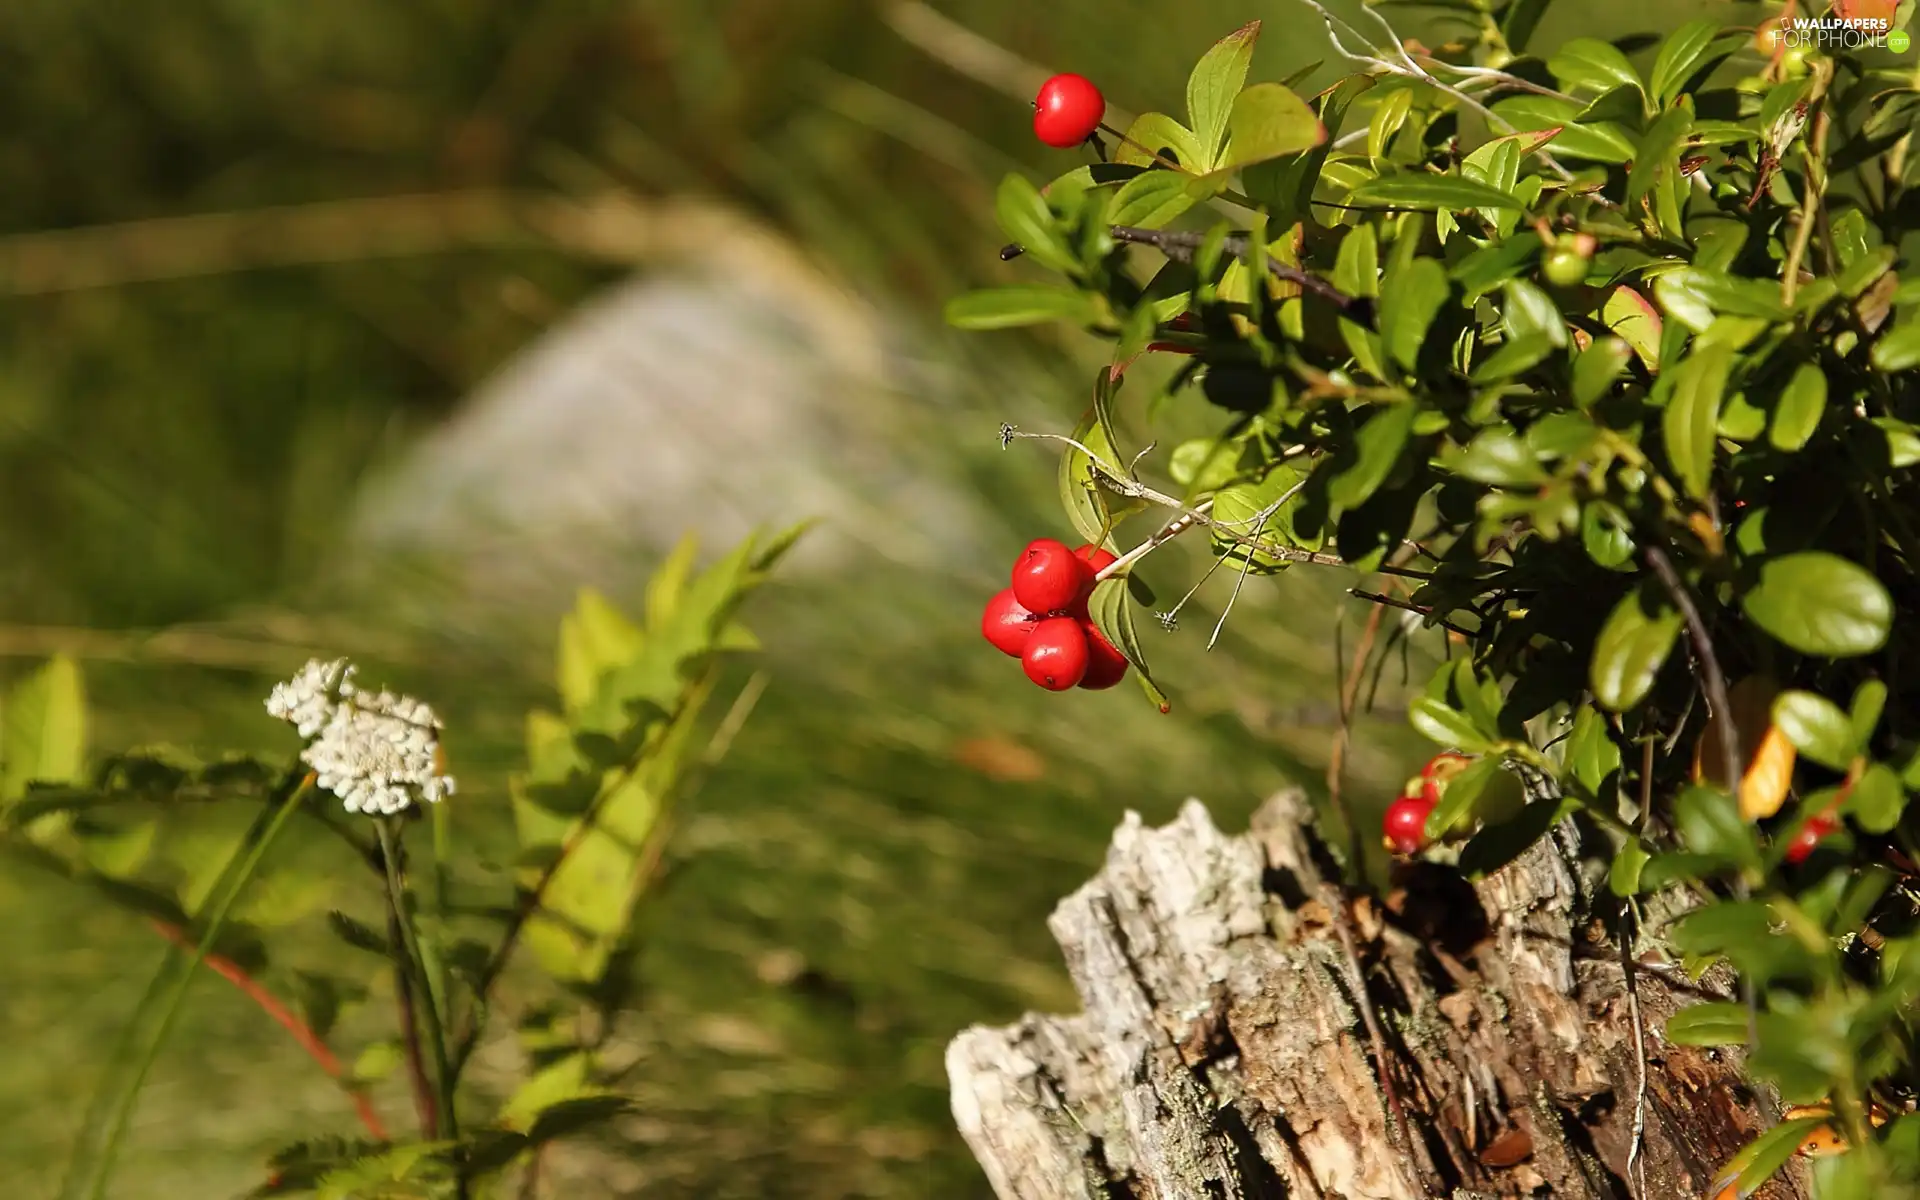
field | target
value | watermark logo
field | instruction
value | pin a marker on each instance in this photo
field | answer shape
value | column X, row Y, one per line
column 1844, row 33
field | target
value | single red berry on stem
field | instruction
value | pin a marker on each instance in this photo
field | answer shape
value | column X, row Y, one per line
column 1067, row 111
column 1811, row 834
column 1047, row 577
column 1056, row 654
column 1006, row 623
column 1106, row 666
column 1405, row 824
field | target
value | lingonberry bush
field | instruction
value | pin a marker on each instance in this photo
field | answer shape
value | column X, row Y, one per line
column 1609, row 373
column 424, row 937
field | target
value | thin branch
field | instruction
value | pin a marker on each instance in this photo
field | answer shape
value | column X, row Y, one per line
column 287, row 1019
column 1636, row 1165
column 1166, row 533
column 424, row 1104
column 1406, row 66
column 1182, row 246
column 1409, row 606
column 1810, row 204
column 1712, row 678
column 1115, row 481
column 1714, row 681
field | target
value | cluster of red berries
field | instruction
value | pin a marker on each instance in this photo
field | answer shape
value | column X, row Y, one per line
column 1405, row 823
column 1042, row 619
column 1067, row 111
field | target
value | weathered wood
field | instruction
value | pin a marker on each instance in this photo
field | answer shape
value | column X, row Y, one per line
column 1223, row 1051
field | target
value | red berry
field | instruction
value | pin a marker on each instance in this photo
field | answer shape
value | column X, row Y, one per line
column 1006, row 624
column 1056, row 654
column 1810, row 836
column 1430, row 791
column 1106, row 666
column 1067, row 111
column 1098, row 559
column 1047, row 578
column 1405, row 825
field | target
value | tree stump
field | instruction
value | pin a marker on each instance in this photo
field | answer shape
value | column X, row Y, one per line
column 1227, row 1049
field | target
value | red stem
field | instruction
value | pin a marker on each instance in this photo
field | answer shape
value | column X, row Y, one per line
column 302, row 1033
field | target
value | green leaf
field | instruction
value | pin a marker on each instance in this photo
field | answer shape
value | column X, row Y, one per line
column 1623, row 876
column 376, row 1062
column 1869, row 702
column 1719, row 1023
column 1709, row 824
column 1684, row 52
column 1657, row 154
column 1877, row 799
column 1820, row 603
column 1090, row 504
column 1590, row 754
column 1590, row 139
column 1025, row 304
column 1269, row 121
column 1519, row 21
column 1690, row 422
column 1694, row 296
column 1448, row 726
column 1152, row 134
column 1356, row 268
column 1797, row 413
column 1816, row 727
column 1211, row 88
column 1449, row 193
column 1278, row 498
column 1388, row 116
column 1490, row 266
column 1378, row 446
column 1528, row 311
column 1635, row 319
column 1498, row 456
column 1356, row 271
column 1632, row 647
column 1597, row 367
column 1592, row 64
column 1205, row 464
column 43, row 730
column 1026, row 218
column 1463, row 793
column 1502, row 842
column 556, row 1082
column 1763, row 1157
column 1113, row 616
column 1514, row 357
column 1412, row 300
column 1151, row 199
column 1606, row 535
column 1898, row 349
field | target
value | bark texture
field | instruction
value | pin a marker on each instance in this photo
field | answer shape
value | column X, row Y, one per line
column 1226, row 1051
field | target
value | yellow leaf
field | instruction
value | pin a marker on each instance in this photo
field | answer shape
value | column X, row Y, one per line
column 1764, row 788
column 1751, row 700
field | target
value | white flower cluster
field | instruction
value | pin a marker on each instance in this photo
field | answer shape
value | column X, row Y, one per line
column 378, row 752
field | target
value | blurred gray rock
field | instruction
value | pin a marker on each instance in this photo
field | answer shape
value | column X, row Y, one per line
column 694, row 400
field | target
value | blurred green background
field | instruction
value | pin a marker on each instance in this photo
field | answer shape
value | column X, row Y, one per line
column 256, row 261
